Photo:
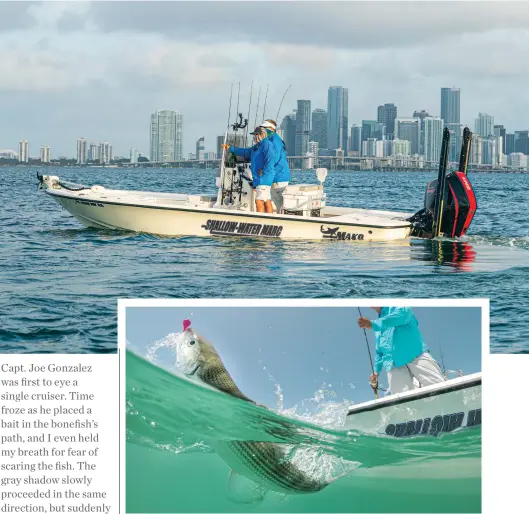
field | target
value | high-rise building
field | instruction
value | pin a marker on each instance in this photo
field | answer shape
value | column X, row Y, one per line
column 456, row 138
column 337, row 117
column 488, row 150
column 166, row 136
column 400, row 147
column 314, row 151
column 499, row 130
column 23, row 151
column 288, row 126
column 303, row 118
column 450, row 105
column 517, row 160
column 369, row 147
column 8, row 154
column 356, row 138
column 93, row 152
column 210, row 156
column 484, row 125
column 433, row 138
column 45, row 154
column 509, row 144
column 476, row 149
column 386, row 115
column 319, row 127
column 521, row 141
column 233, row 139
column 199, row 154
column 105, row 153
column 409, row 129
column 368, row 129
column 134, row 154
column 81, row 151
column 421, row 114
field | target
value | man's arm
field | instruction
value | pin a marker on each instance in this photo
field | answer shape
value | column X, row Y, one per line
column 398, row 316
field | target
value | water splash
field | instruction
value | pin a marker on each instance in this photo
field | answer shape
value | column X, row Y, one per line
column 169, row 341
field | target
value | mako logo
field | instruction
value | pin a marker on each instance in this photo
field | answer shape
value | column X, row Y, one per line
column 234, row 228
column 434, row 426
column 340, row 235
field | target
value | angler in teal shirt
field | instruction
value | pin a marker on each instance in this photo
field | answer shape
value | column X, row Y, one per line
column 400, row 350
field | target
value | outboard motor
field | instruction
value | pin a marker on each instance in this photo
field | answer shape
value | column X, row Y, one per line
column 449, row 201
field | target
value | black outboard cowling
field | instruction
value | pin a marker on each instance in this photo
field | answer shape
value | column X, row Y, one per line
column 449, row 201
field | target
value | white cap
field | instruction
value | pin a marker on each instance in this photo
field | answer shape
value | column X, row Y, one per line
column 268, row 125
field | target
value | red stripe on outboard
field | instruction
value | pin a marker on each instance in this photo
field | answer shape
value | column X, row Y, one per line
column 456, row 206
column 473, row 206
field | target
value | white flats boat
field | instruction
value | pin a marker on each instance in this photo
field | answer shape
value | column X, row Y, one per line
column 427, row 411
column 449, row 208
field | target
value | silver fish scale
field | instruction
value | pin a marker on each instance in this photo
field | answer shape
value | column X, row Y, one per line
column 270, row 464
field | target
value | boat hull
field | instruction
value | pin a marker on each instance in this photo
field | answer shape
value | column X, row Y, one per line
column 429, row 411
column 207, row 222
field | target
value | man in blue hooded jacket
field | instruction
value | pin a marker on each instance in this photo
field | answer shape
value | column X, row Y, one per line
column 400, row 350
column 261, row 157
column 281, row 168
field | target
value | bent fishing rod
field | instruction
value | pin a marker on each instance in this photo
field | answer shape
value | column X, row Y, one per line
column 375, row 390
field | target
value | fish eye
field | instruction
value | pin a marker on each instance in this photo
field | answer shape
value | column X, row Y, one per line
column 192, row 342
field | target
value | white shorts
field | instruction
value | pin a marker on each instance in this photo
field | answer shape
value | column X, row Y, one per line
column 424, row 369
column 277, row 194
column 262, row 193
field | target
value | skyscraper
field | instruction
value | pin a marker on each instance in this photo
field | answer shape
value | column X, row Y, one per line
column 303, row 117
column 134, row 154
column 166, row 136
column 521, row 141
column 368, row 129
column 509, row 144
column 476, row 148
column 386, row 115
column 45, row 154
column 319, row 127
column 337, row 117
column 81, row 151
column 499, row 130
column 409, row 129
column 105, row 153
column 199, row 154
column 93, row 152
column 450, row 105
column 456, row 138
column 433, row 138
column 488, row 146
column 23, row 151
column 288, row 126
column 233, row 139
column 356, row 138
column 484, row 125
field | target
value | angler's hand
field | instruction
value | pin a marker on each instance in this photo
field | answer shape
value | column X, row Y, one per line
column 373, row 381
column 364, row 323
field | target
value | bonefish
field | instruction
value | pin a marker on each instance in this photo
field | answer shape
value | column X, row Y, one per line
column 266, row 461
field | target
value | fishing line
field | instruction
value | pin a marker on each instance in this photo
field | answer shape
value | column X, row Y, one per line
column 257, row 108
column 229, row 110
column 249, row 108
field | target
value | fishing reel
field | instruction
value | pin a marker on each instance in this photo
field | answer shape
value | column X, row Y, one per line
column 240, row 124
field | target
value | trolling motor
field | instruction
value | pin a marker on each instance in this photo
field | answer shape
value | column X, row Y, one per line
column 449, row 201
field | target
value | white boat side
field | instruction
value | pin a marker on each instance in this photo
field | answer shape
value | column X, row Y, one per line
column 431, row 410
column 173, row 214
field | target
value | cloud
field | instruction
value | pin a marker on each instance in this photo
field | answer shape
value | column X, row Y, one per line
column 99, row 69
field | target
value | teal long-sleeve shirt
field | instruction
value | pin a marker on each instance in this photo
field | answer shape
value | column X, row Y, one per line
column 398, row 338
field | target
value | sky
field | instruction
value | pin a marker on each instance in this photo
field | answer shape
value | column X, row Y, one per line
column 303, row 347
column 99, row 69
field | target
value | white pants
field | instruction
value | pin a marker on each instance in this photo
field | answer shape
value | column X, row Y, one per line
column 277, row 194
column 424, row 369
column 262, row 193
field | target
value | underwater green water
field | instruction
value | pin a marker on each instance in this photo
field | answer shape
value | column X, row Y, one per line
column 174, row 427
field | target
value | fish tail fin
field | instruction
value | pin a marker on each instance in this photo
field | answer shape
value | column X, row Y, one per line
column 241, row 489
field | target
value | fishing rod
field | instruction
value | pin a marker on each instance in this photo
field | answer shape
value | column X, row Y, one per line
column 249, row 108
column 370, row 358
column 266, row 96
column 277, row 117
column 257, row 108
column 441, row 355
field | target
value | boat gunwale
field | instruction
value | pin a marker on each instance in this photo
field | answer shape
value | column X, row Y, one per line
column 434, row 390
column 223, row 212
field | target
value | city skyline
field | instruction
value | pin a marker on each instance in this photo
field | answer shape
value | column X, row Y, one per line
column 102, row 69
